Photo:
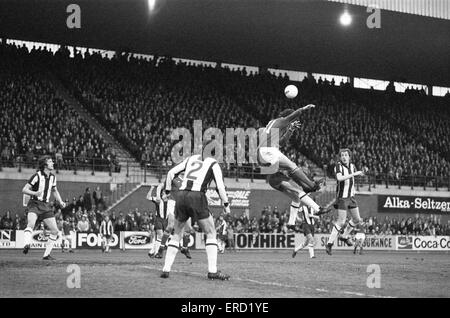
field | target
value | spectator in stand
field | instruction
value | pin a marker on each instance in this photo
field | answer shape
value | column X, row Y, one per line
column 94, row 226
column 98, row 198
column 6, row 221
column 83, row 224
column 80, row 203
column 87, row 200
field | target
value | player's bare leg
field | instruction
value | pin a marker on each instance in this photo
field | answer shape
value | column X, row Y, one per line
column 172, row 248
column 69, row 243
column 31, row 222
column 186, row 239
column 338, row 225
column 161, row 245
column 297, row 174
column 352, row 224
column 207, row 225
column 108, row 245
column 53, row 229
column 309, row 242
column 297, row 195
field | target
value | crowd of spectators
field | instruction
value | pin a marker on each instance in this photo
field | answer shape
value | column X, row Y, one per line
column 36, row 121
column 142, row 101
column 85, row 214
column 395, row 136
column 274, row 221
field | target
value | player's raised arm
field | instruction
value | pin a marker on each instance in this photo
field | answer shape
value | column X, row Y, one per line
column 294, row 115
column 340, row 177
column 173, row 172
column 218, row 177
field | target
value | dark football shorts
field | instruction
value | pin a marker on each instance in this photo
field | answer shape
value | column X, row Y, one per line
column 345, row 203
column 160, row 223
column 276, row 179
column 307, row 228
column 191, row 204
column 43, row 210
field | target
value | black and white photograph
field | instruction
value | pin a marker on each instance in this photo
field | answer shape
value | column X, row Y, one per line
column 225, row 153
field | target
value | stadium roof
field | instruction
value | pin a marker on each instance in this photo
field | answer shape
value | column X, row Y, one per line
column 429, row 8
column 288, row 34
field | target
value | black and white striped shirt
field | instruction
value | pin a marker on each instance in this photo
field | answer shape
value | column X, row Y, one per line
column 155, row 195
column 346, row 188
column 198, row 174
column 44, row 183
column 307, row 212
column 106, row 228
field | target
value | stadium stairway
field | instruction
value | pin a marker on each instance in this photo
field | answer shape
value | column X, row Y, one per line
column 127, row 162
column 122, row 196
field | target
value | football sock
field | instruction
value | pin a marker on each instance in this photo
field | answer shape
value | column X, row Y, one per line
column 301, row 179
column 163, row 240
column 311, row 250
column 50, row 243
column 171, row 253
column 211, row 254
column 310, row 202
column 334, row 234
column 300, row 246
column 293, row 213
column 27, row 235
column 157, row 245
column 186, row 239
column 350, row 227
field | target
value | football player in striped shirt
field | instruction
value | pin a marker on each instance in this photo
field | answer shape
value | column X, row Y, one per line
column 345, row 172
column 308, row 231
column 40, row 187
column 106, row 231
column 221, row 230
column 297, row 191
column 165, row 220
column 191, row 202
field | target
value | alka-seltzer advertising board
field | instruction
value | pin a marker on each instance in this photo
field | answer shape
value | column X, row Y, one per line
column 413, row 204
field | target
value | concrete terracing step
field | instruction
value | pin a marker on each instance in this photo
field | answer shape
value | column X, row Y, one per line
column 123, row 156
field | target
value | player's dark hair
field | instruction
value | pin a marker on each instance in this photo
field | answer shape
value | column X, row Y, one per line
column 286, row 112
column 43, row 162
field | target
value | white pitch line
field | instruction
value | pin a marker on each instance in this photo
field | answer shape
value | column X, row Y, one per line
column 280, row 284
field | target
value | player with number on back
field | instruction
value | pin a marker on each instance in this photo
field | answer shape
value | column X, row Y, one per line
column 284, row 126
column 345, row 172
column 191, row 202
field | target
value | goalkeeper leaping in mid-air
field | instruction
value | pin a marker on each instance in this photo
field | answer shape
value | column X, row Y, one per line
column 282, row 170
